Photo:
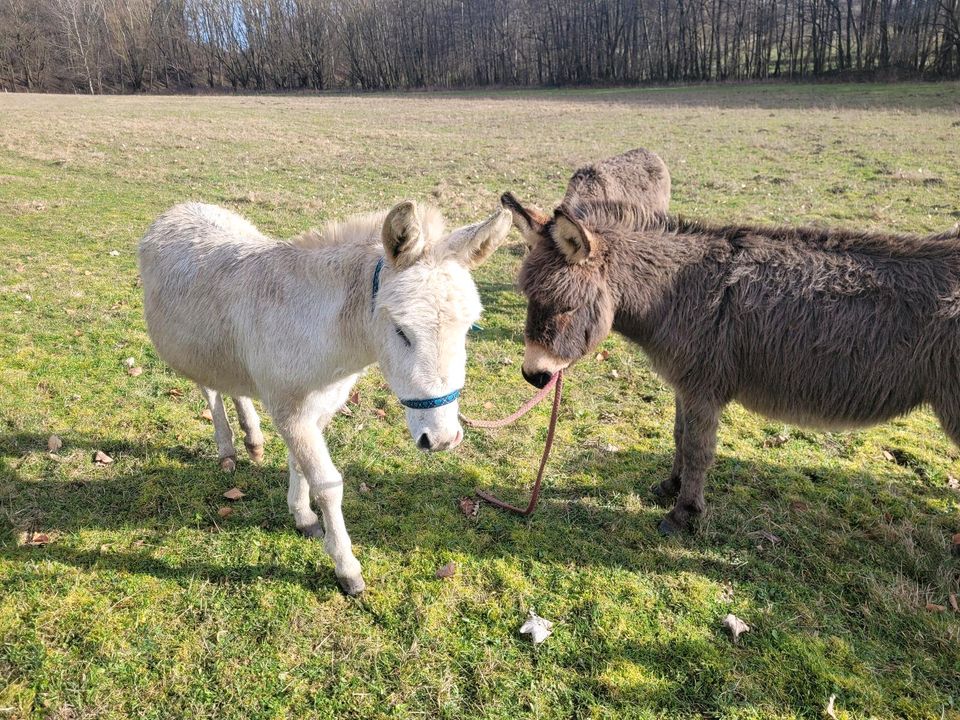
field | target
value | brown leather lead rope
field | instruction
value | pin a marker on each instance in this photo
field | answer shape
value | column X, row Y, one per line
column 555, row 382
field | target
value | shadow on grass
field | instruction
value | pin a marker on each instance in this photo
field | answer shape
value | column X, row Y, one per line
column 580, row 524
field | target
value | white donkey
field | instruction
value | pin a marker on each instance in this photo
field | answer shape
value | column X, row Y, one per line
column 295, row 322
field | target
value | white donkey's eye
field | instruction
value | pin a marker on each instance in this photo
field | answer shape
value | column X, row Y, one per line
column 403, row 336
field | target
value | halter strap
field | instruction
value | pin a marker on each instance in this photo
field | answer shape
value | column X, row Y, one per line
column 429, row 403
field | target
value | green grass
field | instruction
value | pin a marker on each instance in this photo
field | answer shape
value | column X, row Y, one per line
column 147, row 604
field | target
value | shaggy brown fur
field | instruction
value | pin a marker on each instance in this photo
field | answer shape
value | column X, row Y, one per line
column 826, row 328
column 633, row 187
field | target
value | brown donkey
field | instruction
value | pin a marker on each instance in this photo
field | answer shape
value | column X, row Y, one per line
column 824, row 328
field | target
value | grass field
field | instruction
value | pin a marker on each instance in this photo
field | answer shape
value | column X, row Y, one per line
column 147, row 604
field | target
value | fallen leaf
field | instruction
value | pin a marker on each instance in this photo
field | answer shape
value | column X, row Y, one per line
column 35, row 538
column 447, row 571
column 828, row 710
column 175, row 392
column 365, row 489
column 506, row 361
column 726, row 595
column 933, row 607
column 114, row 253
column 380, row 413
column 234, row 494
column 614, row 374
column 538, row 628
column 799, row 506
column 602, row 355
column 953, row 483
column 129, row 362
column 469, row 506
column 207, row 415
column 225, row 511
column 768, row 536
column 20, row 267
column 354, row 398
column 135, row 371
column 344, row 410
column 54, row 443
column 138, row 543
column 953, row 602
column 101, row 458
column 488, row 405
column 956, row 544
column 736, row 626
column 887, row 455
column 775, row 441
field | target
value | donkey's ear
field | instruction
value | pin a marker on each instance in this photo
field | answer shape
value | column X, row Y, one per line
column 473, row 244
column 403, row 237
column 572, row 239
column 530, row 221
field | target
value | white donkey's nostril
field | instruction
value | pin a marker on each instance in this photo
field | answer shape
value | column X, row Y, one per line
column 424, row 442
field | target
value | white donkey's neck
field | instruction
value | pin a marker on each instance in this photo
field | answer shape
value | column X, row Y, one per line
column 340, row 260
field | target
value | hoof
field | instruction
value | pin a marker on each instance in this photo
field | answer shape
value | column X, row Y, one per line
column 664, row 492
column 667, row 528
column 228, row 464
column 352, row 586
column 313, row 530
column 255, row 452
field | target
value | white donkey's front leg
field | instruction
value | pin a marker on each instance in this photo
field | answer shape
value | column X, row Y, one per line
column 313, row 476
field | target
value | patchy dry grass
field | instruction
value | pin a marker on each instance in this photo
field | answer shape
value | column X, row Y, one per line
column 147, row 604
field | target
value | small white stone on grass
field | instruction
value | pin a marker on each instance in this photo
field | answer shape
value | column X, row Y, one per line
column 538, row 628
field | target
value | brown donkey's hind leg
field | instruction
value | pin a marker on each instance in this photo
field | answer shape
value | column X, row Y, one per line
column 698, row 448
column 667, row 490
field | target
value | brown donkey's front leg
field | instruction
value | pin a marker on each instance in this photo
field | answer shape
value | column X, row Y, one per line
column 698, row 445
column 667, row 490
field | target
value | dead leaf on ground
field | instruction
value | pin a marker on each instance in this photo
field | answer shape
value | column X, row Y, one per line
column 225, row 511
column 129, row 362
column 234, row 493
column 953, row 602
column 799, row 506
column 175, row 392
column 933, row 607
column 469, row 506
column 956, row 544
column 380, row 413
column 765, row 535
column 538, row 628
column 135, row 371
column 35, row 538
column 887, row 455
column 488, row 405
column 207, row 415
column 506, row 361
column 602, row 355
column 953, row 483
column 365, row 489
column 101, row 458
column 447, row 571
column 354, row 398
column 344, row 410
column 829, row 710
column 54, row 443
column 775, row 441
column 736, row 626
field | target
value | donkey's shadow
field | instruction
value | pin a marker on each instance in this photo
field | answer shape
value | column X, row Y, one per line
column 608, row 520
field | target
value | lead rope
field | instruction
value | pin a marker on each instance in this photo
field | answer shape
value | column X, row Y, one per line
column 556, row 381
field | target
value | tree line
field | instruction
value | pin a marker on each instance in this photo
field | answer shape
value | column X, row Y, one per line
column 115, row 46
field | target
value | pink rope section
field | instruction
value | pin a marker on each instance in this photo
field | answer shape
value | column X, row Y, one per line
column 523, row 409
column 557, row 382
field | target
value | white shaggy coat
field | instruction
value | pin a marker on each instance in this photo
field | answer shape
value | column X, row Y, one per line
column 295, row 322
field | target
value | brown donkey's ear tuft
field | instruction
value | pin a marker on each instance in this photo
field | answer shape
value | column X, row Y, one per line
column 572, row 239
column 402, row 235
column 530, row 221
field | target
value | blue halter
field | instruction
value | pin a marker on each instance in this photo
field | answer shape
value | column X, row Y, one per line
column 430, row 403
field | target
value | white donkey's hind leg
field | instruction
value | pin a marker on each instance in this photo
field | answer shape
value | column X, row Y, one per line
column 250, row 423
column 302, row 430
column 298, row 501
column 221, row 429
